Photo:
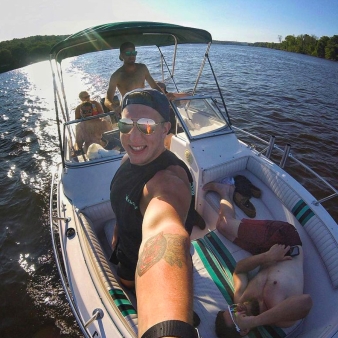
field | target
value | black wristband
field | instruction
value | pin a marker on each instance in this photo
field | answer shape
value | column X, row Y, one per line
column 171, row 328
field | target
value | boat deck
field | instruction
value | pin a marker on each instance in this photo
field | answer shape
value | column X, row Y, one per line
column 214, row 257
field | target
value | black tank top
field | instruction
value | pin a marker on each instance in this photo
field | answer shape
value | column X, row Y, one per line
column 125, row 194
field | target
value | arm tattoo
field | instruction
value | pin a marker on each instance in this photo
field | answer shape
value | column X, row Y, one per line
column 169, row 247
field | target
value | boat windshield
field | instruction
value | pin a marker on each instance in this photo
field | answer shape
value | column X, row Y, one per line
column 200, row 116
column 92, row 139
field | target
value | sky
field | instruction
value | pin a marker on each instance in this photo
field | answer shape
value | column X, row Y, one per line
column 226, row 20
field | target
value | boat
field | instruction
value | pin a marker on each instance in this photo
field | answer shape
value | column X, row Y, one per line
column 82, row 220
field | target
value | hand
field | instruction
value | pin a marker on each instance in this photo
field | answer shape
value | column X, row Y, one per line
column 243, row 321
column 76, row 153
column 277, row 253
column 170, row 96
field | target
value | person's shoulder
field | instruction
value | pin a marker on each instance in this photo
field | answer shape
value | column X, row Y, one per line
column 117, row 72
column 141, row 66
column 172, row 176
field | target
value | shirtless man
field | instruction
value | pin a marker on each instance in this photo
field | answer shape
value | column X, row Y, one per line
column 90, row 131
column 130, row 76
column 275, row 295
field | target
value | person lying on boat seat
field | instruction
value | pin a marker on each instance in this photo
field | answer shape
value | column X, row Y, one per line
column 90, row 131
column 85, row 97
column 276, row 291
column 151, row 195
column 130, row 76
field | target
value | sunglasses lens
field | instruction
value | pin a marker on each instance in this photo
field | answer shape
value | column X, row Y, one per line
column 125, row 126
column 233, row 308
column 131, row 53
column 146, row 126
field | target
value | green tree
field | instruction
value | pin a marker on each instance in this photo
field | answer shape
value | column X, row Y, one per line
column 39, row 52
column 331, row 49
column 5, row 57
column 309, row 44
column 290, row 43
column 320, row 47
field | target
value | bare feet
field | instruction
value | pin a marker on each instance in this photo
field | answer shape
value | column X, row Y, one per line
column 226, row 191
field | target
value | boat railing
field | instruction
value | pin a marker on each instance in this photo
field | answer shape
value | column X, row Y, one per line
column 52, row 220
column 286, row 154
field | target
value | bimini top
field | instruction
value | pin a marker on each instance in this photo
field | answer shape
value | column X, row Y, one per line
column 140, row 33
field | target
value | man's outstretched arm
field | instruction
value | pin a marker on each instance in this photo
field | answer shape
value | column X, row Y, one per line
column 164, row 269
column 284, row 314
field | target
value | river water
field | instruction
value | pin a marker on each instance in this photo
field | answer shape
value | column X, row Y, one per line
column 291, row 96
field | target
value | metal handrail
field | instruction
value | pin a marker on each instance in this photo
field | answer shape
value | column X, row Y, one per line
column 288, row 154
column 58, row 261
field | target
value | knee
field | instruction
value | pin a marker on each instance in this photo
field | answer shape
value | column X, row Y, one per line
column 127, row 283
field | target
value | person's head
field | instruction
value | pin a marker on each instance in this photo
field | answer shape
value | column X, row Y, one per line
column 84, row 96
column 86, row 109
column 226, row 326
column 144, row 124
column 127, row 52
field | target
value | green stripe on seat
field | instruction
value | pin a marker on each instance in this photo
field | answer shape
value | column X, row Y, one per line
column 215, row 271
column 122, row 302
column 220, row 265
column 302, row 212
column 222, row 253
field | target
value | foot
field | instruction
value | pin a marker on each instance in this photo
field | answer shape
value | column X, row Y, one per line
column 244, row 204
column 196, row 319
column 246, row 188
column 225, row 191
column 199, row 221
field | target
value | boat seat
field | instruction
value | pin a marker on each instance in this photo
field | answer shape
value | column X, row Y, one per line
column 214, row 259
column 102, row 267
column 294, row 209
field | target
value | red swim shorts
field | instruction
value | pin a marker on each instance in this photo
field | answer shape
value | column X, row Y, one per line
column 257, row 236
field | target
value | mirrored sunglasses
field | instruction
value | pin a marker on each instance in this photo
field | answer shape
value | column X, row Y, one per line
column 232, row 310
column 144, row 125
column 131, row 53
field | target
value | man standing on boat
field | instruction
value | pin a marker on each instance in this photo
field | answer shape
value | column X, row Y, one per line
column 274, row 296
column 151, row 195
column 130, row 76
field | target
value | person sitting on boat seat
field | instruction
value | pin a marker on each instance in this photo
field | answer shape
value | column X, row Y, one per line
column 152, row 196
column 85, row 97
column 90, row 131
column 172, row 130
column 274, row 296
column 130, row 76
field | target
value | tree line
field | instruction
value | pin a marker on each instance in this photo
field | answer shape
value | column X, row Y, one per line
column 18, row 53
column 324, row 47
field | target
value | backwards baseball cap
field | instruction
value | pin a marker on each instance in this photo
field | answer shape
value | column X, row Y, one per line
column 148, row 97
